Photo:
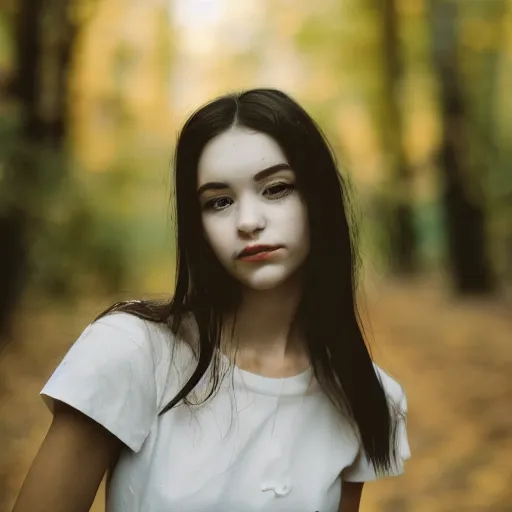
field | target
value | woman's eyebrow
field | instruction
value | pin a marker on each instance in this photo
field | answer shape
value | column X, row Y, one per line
column 259, row 176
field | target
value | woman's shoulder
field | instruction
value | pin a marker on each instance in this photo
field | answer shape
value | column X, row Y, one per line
column 123, row 342
column 120, row 372
column 139, row 331
column 133, row 326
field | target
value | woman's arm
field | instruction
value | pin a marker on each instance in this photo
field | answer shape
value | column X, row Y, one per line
column 350, row 496
column 68, row 469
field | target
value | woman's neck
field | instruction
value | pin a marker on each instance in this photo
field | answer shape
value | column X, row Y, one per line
column 265, row 323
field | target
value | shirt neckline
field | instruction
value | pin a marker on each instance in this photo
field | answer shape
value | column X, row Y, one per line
column 271, row 386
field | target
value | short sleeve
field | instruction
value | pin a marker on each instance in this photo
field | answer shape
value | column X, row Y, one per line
column 361, row 470
column 109, row 374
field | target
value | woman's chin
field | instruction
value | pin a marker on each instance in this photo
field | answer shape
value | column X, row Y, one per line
column 264, row 279
column 261, row 286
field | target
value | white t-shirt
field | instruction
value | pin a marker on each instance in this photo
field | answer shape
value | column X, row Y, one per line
column 260, row 444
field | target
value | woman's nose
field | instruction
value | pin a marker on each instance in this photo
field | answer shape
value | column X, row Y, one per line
column 250, row 218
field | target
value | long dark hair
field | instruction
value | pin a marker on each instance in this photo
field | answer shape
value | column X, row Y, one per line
column 327, row 312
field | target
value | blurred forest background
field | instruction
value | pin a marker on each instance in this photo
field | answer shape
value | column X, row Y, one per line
column 416, row 98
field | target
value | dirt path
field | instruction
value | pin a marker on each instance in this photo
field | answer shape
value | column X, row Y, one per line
column 454, row 359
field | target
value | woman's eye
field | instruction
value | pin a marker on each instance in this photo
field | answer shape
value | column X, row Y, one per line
column 219, row 203
column 279, row 190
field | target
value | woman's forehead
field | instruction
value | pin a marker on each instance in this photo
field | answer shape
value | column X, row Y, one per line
column 238, row 153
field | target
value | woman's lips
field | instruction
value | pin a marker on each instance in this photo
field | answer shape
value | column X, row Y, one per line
column 258, row 254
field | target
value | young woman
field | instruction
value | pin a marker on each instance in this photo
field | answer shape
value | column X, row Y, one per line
column 252, row 389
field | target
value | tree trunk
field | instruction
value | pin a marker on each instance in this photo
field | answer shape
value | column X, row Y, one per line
column 464, row 213
column 61, row 57
column 403, row 238
column 37, row 128
column 28, row 60
column 14, row 221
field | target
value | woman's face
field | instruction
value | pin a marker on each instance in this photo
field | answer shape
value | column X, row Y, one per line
column 248, row 198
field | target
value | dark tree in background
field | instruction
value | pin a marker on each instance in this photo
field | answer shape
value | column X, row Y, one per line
column 20, row 168
column 60, row 47
column 403, row 247
column 40, row 29
column 463, row 206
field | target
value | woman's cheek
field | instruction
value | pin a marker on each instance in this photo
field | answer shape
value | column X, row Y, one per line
column 218, row 237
